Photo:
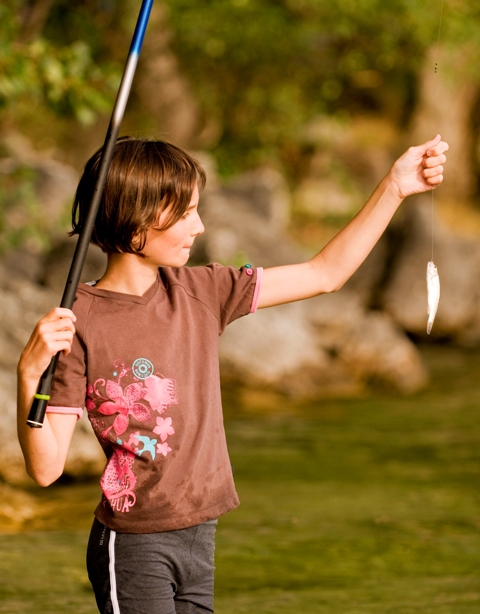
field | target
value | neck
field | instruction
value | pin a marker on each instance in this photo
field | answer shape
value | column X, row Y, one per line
column 128, row 273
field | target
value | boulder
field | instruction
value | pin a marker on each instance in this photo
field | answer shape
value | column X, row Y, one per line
column 22, row 303
column 327, row 344
column 55, row 182
column 246, row 221
column 368, row 344
column 57, row 261
column 404, row 295
column 277, row 348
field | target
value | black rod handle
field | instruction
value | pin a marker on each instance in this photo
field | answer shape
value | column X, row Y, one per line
column 36, row 415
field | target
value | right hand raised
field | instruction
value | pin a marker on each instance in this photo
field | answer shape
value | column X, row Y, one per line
column 53, row 333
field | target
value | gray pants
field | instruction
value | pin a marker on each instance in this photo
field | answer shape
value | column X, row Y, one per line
column 155, row 573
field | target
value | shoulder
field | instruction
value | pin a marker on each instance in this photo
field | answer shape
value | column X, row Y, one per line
column 82, row 305
column 227, row 291
column 193, row 277
column 212, row 278
column 83, row 299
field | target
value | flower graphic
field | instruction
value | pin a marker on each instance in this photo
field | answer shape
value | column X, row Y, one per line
column 125, row 404
column 163, row 448
column 160, row 392
column 164, row 428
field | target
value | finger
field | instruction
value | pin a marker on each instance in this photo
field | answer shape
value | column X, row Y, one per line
column 51, row 341
column 425, row 147
column 428, row 173
column 433, row 161
column 59, row 313
column 435, row 181
column 44, row 328
column 40, row 349
column 440, row 148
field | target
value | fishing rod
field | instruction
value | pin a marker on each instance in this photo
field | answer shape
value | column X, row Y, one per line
column 36, row 415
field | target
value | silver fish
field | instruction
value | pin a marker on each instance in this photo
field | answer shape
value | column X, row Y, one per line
column 433, row 291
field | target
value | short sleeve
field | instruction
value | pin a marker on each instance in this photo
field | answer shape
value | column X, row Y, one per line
column 229, row 293
column 66, row 411
column 70, row 381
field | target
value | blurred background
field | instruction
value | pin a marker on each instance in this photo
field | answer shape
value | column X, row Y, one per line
column 355, row 436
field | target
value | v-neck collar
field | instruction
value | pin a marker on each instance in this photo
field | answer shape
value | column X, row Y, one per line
column 123, row 296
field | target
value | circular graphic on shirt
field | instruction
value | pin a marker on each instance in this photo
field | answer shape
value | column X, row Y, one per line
column 142, row 368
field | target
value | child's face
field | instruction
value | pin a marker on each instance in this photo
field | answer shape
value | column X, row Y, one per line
column 171, row 247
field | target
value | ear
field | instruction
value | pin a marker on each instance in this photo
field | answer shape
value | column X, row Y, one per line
column 138, row 240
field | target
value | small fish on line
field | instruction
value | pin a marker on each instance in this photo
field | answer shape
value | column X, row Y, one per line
column 433, row 293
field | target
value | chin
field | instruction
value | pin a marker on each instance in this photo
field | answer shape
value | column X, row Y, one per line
column 180, row 262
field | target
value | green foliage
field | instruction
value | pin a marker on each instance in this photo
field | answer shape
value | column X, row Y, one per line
column 21, row 219
column 63, row 78
column 45, row 73
column 264, row 68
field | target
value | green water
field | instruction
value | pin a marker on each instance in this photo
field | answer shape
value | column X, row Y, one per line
column 348, row 506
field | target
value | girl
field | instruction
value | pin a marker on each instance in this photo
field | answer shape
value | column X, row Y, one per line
column 139, row 351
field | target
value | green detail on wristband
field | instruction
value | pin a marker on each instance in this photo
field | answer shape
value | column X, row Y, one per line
column 248, row 266
column 43, row 397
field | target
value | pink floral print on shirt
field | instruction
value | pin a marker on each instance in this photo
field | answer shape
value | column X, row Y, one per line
column 125, row 403
column 160, row 393
column 132, row 404
column 118, row 481
column 164, row 428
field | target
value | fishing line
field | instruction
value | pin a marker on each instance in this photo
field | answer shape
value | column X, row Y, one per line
column 433, row 280
column 435, row 83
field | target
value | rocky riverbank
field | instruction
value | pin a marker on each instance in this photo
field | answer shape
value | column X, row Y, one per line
column 333, row 344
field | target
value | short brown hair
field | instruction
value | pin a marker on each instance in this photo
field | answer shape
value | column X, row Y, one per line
column 145, row 178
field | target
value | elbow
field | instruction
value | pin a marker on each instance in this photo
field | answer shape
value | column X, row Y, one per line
column 325, row 278
column 338, row 286
column 43, row 478
column 333, row 285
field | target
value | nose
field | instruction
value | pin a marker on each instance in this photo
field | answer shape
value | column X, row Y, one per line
column 198, row 228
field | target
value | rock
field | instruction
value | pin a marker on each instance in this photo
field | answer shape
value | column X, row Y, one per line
column 405, row 293
column 277, row 348
column 246, row 222
column 264, row 192
column 58, row 260
column 369, row 344
column 21, row 306
column 23, row 264
column 18, row 507
column 56, row 182
column 327, row 345
column 330, row 343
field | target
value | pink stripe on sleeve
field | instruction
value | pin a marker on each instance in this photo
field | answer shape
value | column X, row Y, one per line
column 51, row 409
column 258, row 287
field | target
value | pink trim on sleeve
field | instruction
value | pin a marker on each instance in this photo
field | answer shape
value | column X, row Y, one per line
column 258, row 287
column 51, row 409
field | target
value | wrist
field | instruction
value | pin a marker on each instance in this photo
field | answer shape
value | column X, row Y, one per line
column 392, row 187
column 28, row 375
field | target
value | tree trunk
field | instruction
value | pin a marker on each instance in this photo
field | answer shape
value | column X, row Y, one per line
column 446, row 100
column 163, row 92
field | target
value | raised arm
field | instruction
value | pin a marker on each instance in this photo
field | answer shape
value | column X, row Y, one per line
column 45, row 450
column 419, row 169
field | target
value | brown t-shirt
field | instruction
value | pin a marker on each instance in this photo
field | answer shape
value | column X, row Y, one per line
column 149, row 366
